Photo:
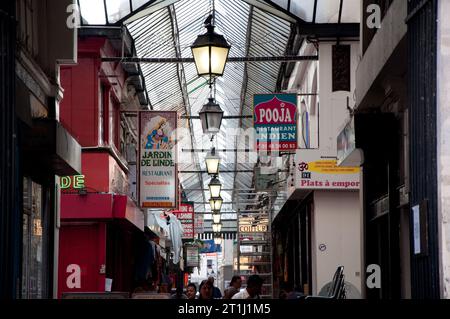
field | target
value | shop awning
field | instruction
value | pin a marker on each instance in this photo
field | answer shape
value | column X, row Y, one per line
column 101, row 207
column 47, row 144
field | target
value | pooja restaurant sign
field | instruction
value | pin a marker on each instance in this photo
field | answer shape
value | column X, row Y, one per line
column 157, row 169
column 275, row 121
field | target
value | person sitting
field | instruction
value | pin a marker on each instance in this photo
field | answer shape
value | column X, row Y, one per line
column 253, row 290
column 235, row 286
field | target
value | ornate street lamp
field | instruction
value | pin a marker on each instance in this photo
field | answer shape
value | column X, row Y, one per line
column 217, row 239
column 210, row 52
column 215, row 186
column 216, row 203
column 211, row 117
column 212, row 161
column 217, row 228
column 216, row 217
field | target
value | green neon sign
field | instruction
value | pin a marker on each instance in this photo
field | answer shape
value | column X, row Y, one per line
column 75, row 182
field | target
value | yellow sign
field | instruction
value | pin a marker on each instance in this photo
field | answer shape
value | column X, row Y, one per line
column 330, row 167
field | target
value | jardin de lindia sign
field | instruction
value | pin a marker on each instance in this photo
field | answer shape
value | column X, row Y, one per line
column 275, row 121
column 157, row 169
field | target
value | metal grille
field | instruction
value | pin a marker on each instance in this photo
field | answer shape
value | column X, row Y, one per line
column 422, row 37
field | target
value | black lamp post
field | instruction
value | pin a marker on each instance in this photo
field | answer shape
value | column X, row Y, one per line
column 215, row 186
column 210, row 52
column 212, row 161
column 211, row 116
column 216, row 203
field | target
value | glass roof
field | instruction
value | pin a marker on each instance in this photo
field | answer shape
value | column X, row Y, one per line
column 167, row 28
column 316, row 11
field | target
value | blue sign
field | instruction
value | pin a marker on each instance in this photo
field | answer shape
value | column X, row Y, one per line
column 210, row 247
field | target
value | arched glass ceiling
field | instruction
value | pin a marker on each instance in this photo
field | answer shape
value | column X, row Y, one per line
column 167, row 28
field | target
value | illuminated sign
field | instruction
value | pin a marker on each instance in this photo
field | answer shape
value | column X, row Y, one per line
column 75, row 182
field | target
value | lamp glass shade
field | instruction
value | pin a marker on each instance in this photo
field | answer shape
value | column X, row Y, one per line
column 217, row 228
column 210, row 52
column 201, row 59
column 211, row 117
column 216, row 203
column 212, row 163
column 216, row 217
column 217, row 240
column 215, row 187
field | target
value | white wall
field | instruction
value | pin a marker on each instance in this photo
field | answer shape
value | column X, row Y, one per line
column 333, row 105
column 443, row 147
column 336, row 224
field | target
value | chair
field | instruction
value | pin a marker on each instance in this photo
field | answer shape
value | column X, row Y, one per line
column 337, row 288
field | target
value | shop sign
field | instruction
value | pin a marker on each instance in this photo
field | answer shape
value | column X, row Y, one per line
column 192, row 259
column 198, row 224
column 314, row 171
column 75, row 182
column 275, row 121
column 346, row 142
column 157, row 168
column 185, row 215
column 253, row 229
column 347, row 153
column 210, row 247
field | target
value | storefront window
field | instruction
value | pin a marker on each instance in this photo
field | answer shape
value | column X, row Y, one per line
column 34, row 253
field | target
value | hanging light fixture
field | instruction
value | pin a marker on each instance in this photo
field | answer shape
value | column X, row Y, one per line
column 216, row 217
column 217, row 228
column 217, row 240
column 212, row 161
column 216, row 203
column 210, row 51
column 211, row 117
column 215, row 186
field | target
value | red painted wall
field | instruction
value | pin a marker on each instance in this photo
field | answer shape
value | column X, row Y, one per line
column 79, row 107
column 95, row 168
column 82, row 246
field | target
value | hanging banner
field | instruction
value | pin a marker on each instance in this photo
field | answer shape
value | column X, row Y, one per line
column 275, row 121
column 185, row 215
column 210, row 247
column 314, row 171
column 192, row 257
column 157, row 169
column 198, row 225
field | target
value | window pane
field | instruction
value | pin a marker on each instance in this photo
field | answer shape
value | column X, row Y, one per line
column 36, row 269
column 351, row 12
column 282, row 3
column 138, row 3
column 117, row 9
column 92, row 11
column 303, row 9
column 327, row 11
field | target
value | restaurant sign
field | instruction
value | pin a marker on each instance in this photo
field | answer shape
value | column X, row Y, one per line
column 275, row 121
column 157, row 169
column 185, row 215
column 314, row 171
column 192, row 257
